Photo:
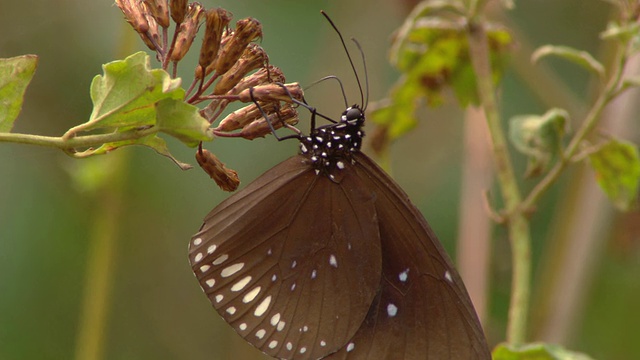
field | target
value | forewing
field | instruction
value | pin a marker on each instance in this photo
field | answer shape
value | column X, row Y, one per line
column 292, row 262
column 422, row 310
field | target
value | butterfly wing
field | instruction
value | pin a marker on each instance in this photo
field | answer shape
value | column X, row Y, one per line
column 422, row 310
column 283, row 261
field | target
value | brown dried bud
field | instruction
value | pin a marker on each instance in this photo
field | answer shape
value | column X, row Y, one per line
column 272, row 92
column 260, row 128
column 246, row 31
column 133, row 11
column 263, row 76
column 187, row 32
column 246, row 115
column 160, row 11
column 260, row 77
column 178, row 10
column 227, row 179
column 217, row 20
column 151, row 38
column 253, row 58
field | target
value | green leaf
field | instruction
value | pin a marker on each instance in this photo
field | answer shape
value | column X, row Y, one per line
column 617, row 169
column 397, row 113
column 579, row 57
column 182, row 121
column 15, row 75
column 126, row 95
column 536, row 351
column 539, row 137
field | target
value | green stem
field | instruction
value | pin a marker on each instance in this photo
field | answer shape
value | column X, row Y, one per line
column 518, row 225
column 85, row 141
column 101, row 260
column 593, row 116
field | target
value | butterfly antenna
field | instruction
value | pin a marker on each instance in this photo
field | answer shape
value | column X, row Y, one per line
column 347, row 52
column 344, row 95
column 366, row 75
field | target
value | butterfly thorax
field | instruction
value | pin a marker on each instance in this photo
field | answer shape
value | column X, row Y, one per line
column 329, row 147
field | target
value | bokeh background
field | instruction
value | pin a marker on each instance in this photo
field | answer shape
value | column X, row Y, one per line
column 55, row 222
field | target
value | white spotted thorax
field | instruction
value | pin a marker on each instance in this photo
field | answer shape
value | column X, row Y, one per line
column 329, row 147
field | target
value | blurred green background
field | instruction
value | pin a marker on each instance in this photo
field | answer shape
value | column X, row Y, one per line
column 154, row 308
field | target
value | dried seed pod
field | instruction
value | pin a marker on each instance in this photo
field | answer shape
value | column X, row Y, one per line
column 178, row 10
column 187, row 31
column 160, row 11
column 227, row 179
column 272, row 92
column 134, row 14
column 266, row 75
column 253, row 58
column 151, row 38
column 244, row 116
column 260, row 128
column 260, row 77
column 246, row 31
column 216, row 21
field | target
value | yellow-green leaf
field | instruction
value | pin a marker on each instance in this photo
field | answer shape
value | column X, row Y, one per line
column 617, row 170
column 15, row 75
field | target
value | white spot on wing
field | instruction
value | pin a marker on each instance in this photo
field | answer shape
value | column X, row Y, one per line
column 260, row 333
column 230, row 270
column 323, row 343
column 211, row 282
column 211, row 249
column 241, row 284
column 403, row 276
column 251, row 295
column 289, row 346
column 231, row 310
column 197, row 241
column 333, row 261
column 447, row 276
column 274, row 277
column 198, row 257
column 392, row 310
column 314, row 274
column 303, row 350
column 350, row 347
column 275, row 319
column 293, row 287
column 219, row 298
column 243, row 326
column 262, row 308
column 273, row 344
column 293, row 264
column 222, row 258
column 204, row 268
column 281, row 325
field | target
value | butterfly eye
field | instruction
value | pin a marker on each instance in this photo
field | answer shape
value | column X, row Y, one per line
column 353, row 113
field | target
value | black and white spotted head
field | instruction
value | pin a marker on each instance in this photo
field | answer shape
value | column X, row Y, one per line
column 329, row 147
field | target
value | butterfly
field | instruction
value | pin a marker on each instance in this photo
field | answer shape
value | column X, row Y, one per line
column 325, row 257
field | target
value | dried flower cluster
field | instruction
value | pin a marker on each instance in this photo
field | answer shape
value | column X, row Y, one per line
column 231, row 67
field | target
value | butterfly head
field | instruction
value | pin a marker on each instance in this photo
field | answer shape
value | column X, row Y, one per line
column 329, row 147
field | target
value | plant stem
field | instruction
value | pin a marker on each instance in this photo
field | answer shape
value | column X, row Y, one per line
column 610, row 91
column 518, row 225
column 84, row 141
